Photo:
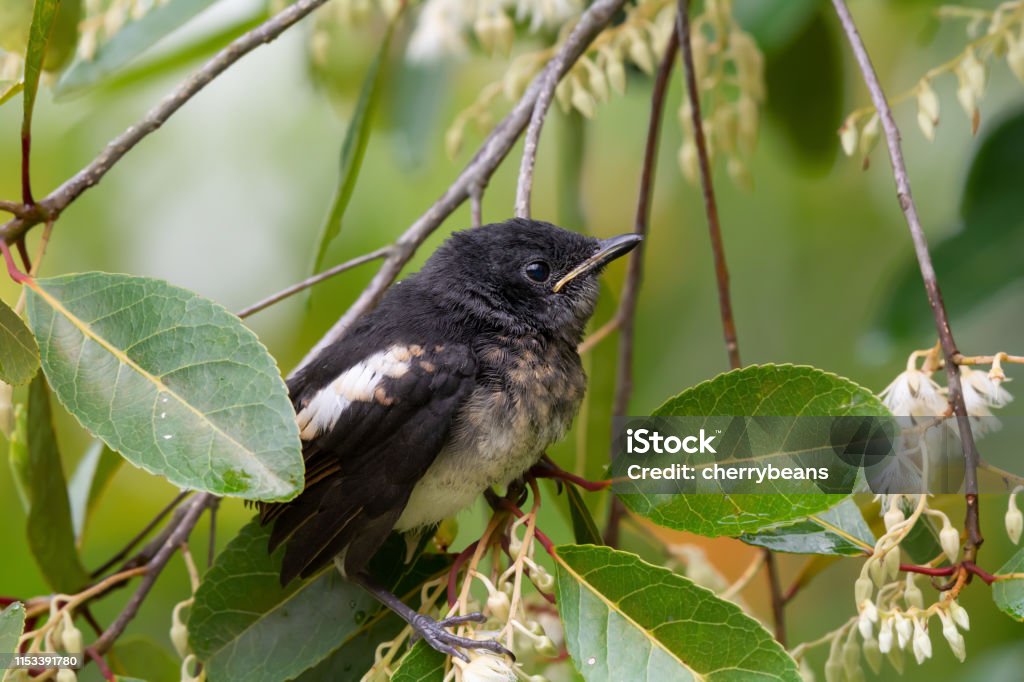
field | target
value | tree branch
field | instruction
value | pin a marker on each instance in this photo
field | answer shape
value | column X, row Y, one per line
column 51, row 206
column 476, row 173
column 625, row 315
column 931, row 285
column 710, row 206
column 193, row 511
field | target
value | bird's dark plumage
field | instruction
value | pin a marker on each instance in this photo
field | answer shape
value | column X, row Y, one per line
column 458, row 380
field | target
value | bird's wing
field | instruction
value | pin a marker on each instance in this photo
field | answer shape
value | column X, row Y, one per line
column 368, row 436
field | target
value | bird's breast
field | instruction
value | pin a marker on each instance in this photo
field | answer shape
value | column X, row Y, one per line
column 526, row 400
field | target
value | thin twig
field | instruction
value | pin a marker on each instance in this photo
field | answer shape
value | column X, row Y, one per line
column 599, row 14
column 625, row 315
column 710, row 206
column 193, row 512
column 211, row 547
column 931, row 285
column 476, row 205
column 479, row 170
column 778, row 602
column 748, row 574
column 141, row 534
column 51, row 206
column 310, row 281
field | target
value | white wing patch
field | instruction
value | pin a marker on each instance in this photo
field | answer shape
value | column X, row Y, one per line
column 358, row 383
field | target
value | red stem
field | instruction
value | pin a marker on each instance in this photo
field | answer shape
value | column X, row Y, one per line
column 12, row 269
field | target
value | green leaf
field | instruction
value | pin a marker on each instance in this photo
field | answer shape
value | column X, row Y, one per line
column 94, row 471
column 629, row 620
column 43, row 14
column 8, row 89
column 12, row 623
column 1009, row 594
column 40, row 476
column 245, row 626
column 141, row 657
column 922, row 542
column 584, row 529
column 19, row 354
column 840, row 530
column 131, row 40
column 171, row 380
column 759, row 390
column 353, row 148
column 349, row 662
column 775, row 23
column 421, row 664
column 982, row 259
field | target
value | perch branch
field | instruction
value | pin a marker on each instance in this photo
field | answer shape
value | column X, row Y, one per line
column 476, row 173
column 931, row 285
column 51, row 206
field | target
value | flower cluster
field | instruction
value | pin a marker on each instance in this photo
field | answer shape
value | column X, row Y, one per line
column 994, row 34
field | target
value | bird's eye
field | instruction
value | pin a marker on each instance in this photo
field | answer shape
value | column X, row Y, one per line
column 538, row 271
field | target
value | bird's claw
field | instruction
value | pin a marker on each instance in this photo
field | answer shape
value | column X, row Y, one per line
column 434, row 633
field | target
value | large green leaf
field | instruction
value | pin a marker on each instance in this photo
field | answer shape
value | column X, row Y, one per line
column 12, row 622
column 761, row 390
column 628, row 620
column 350, row 661
column 983, row 258
column 40, row 477
column 1009, row 594
column 840, row 530
column 421, row 664
column 353, row 148
column 171, row 380
column 94, row 471
column 19, row 354
column 131, row 40
column 143, row 658
column 245, row 626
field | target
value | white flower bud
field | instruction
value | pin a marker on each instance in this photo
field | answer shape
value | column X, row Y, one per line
column 891, row 564
column 542, row 579
column 504, row 32
column 873, row 655
column 922, row 643
column 1014, row 521
column 806, row 674
column 484, row 29
column 893, row 516
column 453, row 139
column 926, row 125
column 545, row 647
column 616, row 72
column 851, row 656
column 848, row 136
column 487, row 668
column 927, row 102
column 747, row 122
column 498, row 605
column 876, row 571
column 689, row 163
column 563, row 94
column 582, row 100
column 1015, row 57
column 869, row 135
column 863, row 589
column 885, row 636
column 66, row 675
column 912, row 593
column 179, row 631
column 953, row 636
column 904, row 630
column 640, row 53
column 73, row 640
column 833, row 671
column 949, row 538
column 959, row 615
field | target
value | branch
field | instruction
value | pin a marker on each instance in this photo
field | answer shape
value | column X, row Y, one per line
column 590, row 24
column 141, row 534
column 710, row 207
column 310, row 281
column 476, row 173
column 193, row 511
column 51, row 206
column 931, row 285
column 625, row 314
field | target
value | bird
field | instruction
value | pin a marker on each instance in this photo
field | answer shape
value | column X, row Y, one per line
column 455, row 383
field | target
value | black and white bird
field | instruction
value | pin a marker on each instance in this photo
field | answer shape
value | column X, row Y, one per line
column 456, row 382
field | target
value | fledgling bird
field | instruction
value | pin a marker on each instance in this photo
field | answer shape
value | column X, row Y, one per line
column 458, row 381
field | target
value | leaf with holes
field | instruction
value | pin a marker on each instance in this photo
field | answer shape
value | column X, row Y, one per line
column 19, row 354
column 629, row 620
column 760, row 390
column 840, row 530
column 169, row 379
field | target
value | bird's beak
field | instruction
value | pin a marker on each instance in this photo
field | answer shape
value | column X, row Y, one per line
column 607, row 251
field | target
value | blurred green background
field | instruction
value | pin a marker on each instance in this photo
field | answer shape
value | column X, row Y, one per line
column 228, row 198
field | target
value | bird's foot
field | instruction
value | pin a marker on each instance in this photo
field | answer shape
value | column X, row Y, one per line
column 435, row 633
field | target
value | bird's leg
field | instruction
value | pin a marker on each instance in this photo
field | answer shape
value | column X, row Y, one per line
column 546, row 468
column 432, row 631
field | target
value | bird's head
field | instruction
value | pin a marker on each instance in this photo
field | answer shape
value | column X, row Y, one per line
column 523, row 276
